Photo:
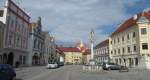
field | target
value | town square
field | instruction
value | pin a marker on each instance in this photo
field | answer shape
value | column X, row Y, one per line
column 74, row 40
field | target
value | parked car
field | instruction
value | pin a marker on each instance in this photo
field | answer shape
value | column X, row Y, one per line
column 111, row 66
column 52, row 65
column 60, row 64
column 7, row 72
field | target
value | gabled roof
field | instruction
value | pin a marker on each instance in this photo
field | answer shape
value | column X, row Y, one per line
column 69, row 49
column 131, row 22
column 103, row 43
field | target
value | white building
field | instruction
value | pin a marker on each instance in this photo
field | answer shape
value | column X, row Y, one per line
column 16, row 32
column 130, row 43
column 36, row 44
column 50, row 52
column 101, row 51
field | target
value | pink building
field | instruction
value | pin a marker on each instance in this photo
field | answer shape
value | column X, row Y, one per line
column 16, row 34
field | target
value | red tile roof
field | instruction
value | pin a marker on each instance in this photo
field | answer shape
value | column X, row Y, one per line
column 131, row 22
column 59, row 51
column 103, row 43
column 69, row 49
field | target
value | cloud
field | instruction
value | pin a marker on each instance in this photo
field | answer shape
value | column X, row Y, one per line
column 71, row 20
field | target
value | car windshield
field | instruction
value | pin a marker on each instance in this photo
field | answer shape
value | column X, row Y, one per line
column 74, row 39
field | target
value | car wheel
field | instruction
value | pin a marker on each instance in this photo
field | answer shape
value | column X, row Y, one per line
column 109, row 68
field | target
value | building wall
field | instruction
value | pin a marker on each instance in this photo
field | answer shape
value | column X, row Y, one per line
column 86, row 58
column 36, row 51
column 123, row 45
column 1, row 41
column 15, row 33
column 144, row 56
column 50, row 54
column 102, row 51
column 73, row 57
column 131, row 46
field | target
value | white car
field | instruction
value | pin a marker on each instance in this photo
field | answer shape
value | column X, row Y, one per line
column 52, row 65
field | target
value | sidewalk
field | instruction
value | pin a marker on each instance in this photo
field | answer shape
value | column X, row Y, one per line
column 26, row 67
column 139, row 70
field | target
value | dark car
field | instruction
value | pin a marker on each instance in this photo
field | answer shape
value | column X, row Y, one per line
column 7, row 72
column 60, row 64
column 111, row 66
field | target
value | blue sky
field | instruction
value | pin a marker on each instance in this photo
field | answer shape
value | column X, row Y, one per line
column 71, row 20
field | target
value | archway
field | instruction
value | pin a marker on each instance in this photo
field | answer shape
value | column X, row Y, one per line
column 35, row 59
column 10, row 58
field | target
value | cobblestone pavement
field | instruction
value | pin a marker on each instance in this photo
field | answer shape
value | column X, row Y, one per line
column 75, row 72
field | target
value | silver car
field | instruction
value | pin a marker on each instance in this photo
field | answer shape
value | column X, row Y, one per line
column 111, row 66
column 52, row 65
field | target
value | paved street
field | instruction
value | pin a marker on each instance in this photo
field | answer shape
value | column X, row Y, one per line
column 76, row 73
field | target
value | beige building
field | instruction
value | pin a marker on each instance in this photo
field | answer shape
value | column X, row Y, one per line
column 130, row 43
column 86, row 56
column 72, row 55
column 101, row 51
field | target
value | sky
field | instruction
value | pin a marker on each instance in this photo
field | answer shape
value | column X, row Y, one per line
column 72, row 20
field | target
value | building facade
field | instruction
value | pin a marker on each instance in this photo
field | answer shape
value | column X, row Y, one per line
column 50, row 52
column 47, row 46
column 101, row 51
column 72, row 55
column 1, row 41
column 16, row 34
column 60, row 56
column 36, row 44
column 86, row 56
column 130, row 43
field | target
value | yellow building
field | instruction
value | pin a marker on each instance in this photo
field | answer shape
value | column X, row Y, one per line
column 86, row 56
column 72, row 55
column 130, row 43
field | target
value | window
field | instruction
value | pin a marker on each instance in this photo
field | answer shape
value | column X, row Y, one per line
column 143, row 31
column 115, row 51
column 111, row 42
column 128, row 49
column 122, row 38
column 114, row 41
column 144, row 46
column 118, row 51
column 123, row 50
column 118, row 40
column 35, row 41
column 134, row 34
column 128, row 37
column 134, row 48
